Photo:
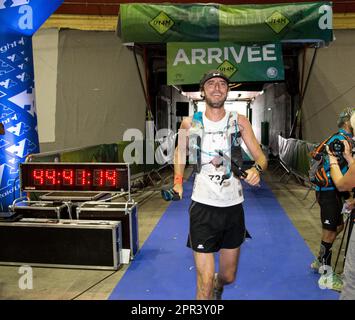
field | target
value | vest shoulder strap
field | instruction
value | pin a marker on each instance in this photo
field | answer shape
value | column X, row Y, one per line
column 233, row 122
column 197, row 120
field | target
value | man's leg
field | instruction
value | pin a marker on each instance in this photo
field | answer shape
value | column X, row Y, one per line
column 329, row 278
column 328, row 238
column 228, row 265
column 331, row 204
column 204, row 272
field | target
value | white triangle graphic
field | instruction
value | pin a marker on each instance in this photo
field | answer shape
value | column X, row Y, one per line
column 24, row 100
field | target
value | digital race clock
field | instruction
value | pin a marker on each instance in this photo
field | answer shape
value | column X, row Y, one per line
column 65, row 176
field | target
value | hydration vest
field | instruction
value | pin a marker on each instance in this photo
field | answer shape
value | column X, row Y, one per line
column 197, row 132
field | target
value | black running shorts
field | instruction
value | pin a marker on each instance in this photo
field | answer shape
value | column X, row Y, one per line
column 214, row 228
column 331, row 204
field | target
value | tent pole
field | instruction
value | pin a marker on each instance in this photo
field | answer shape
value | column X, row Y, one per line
column 150, row 115
column 297, row 121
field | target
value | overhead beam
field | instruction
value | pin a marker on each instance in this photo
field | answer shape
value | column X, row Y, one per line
column 111, row 7
column 109, row 22
column 344, row 20
column 81, row 22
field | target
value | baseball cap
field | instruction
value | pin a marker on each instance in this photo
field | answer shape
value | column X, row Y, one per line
column 345, row 115
column 213, row 74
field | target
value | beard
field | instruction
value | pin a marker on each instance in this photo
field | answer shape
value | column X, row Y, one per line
column 216, row 104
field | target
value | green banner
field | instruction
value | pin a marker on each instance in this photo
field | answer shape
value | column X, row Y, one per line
column 303, row 21
column 187, row 61
column 294, row 21
column 168, row 22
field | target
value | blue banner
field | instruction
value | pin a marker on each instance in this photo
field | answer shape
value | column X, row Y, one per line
column 19, row 19
column 17, row 111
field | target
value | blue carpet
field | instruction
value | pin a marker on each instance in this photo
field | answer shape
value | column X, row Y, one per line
column 274, row 264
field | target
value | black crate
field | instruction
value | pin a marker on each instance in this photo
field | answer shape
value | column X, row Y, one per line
column 125, row 212
column 63, row 243
column 43, row 209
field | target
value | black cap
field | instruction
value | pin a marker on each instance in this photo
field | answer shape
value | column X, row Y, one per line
column 213, row 74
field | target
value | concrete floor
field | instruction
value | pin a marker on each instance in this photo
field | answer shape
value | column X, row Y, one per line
column 68, row 284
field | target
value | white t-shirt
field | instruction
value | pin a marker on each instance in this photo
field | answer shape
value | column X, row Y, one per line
column 208, row 188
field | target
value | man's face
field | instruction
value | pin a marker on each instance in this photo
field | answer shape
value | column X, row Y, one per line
column 216, row 91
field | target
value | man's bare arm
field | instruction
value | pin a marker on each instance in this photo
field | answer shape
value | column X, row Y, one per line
column 346, row 182
column 253, row 146
column 251, row 142
column 180, row 154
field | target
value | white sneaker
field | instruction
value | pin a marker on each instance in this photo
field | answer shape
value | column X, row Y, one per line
column 331, row 281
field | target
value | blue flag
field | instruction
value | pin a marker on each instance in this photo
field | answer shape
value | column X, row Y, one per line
column 19, row 20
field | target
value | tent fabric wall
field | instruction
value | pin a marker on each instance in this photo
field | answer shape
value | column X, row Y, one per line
column 45, row 59
column 99, row 153
column 331, row 86
column 273, row 106
column 98, row 91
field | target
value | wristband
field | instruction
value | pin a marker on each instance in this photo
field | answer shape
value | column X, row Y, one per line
column 258, row 168
column 178, row 179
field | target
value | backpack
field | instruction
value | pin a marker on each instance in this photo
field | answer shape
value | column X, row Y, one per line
column 197, row 131
column 317, row 173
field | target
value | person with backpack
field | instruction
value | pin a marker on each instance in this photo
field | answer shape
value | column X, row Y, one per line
column 343, row 183
column 330, row 200
column 216, row 210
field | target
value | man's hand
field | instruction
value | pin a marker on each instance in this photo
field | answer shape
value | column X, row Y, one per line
column 179, row 189
column 332, row 158
column 348, row 152
column 253, row 177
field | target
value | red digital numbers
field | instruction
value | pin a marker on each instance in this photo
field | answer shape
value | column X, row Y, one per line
column 107, row 178
column 50, row 177
column 68, row 177
column 38, row 175
column 72, row 178
column 81, row 177
column 98, row 177
column 111, row 178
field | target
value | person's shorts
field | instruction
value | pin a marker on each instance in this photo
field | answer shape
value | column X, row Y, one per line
column 331, row 205
column 215, row 228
